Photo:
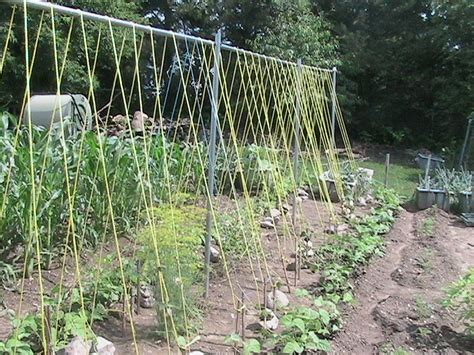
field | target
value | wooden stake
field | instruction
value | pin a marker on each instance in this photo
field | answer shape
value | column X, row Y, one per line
column 295, row 281
column 237, row 318
column 265, row 294
column 274, row 298
column 139, row 295
column 48, row 330
column 243, row 316
column 123, row 314
column 387, row 164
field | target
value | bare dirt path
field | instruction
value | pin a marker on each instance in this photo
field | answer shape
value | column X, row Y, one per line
column 398, row 299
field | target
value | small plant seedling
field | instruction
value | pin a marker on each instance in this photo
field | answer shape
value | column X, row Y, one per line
column 400, row 351
column 424, row 332
column 423, row 309
column 428, row 228
column 426, row 260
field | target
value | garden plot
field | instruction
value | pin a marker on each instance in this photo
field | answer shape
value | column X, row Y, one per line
column 400, row 297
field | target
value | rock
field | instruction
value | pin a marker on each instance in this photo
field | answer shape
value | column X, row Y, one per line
column 310, row 253
column 146, row 291
column 346, row 211
column 274, row 213
column 337, row 229
column 301, row 193
column 271, row 322
column 342, row 228
column 119, row 119
column 215, row 254
column 267, row 223
column 368, row 172
column 281, row 300
column 196, row 352
column 309, row 244
column 361, row 201
column 304, row 198
column 147, row 299
column 286, row 207
column 298, row 199
column 138, row 122
column 146, row 303
column 77, row 346
column 104, row 347
column 369, row 199
column 291, row 266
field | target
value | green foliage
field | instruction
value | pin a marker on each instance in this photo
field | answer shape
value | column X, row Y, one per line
column 402, row 177
column 238, row 231
column 75, row 77
column 306, row 329
column 339, row 259
column 171, row 253
column 94, row 167
column 428, row 227
column 423, row 309
column 24, row 330
column 460, row 298
column 251, row 346
column 248, row 168
column 297, row 33
column 388, row 48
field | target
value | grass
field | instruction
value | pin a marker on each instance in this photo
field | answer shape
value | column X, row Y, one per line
column 402, row 178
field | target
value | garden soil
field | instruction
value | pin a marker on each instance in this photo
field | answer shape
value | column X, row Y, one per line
column 398, row 299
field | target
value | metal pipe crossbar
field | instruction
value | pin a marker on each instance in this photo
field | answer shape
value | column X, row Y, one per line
column 47, row 6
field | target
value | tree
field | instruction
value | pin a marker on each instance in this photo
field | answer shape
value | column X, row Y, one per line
column 297, row 33
column 75, row 77
column 406, row 68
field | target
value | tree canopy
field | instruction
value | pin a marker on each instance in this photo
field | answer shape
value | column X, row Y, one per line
column 406, row 67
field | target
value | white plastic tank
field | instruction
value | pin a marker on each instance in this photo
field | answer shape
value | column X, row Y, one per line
column 48, row 109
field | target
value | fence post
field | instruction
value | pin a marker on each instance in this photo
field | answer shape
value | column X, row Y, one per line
column 333, row 112
column 387, row 166
column 212, row 155
column 465, row 144
column 296, row 146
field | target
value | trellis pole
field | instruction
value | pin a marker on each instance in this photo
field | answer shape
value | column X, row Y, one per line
column 296, row 146
column 333, row 112
column 296, row 156
column 212, row 155
column 462, row 158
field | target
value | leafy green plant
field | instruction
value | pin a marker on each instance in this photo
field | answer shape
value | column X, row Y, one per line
column 460, row 298
column 307, row 328
column 251, row 346
column 25, row 336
